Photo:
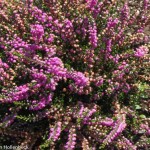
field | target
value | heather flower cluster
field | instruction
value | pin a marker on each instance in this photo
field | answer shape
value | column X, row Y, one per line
column 55, row 132
column 37, row 32
column 75, row 74
column 141, row 51
column 70, row 145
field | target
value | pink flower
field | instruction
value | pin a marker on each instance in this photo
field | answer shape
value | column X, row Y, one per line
column 37, row 32
column 141, row 51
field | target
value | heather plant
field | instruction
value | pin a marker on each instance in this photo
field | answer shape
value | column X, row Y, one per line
column 74, row 74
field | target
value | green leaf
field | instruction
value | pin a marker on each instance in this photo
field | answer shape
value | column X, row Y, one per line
column 142, row 116
column 137, row 107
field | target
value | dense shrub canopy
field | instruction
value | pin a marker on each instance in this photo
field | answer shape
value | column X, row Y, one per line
column 74, row 74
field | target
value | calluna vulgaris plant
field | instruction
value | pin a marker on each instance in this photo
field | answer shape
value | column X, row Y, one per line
column 74, row 74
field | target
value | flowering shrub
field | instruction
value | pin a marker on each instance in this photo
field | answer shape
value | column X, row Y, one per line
column 74, row 74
